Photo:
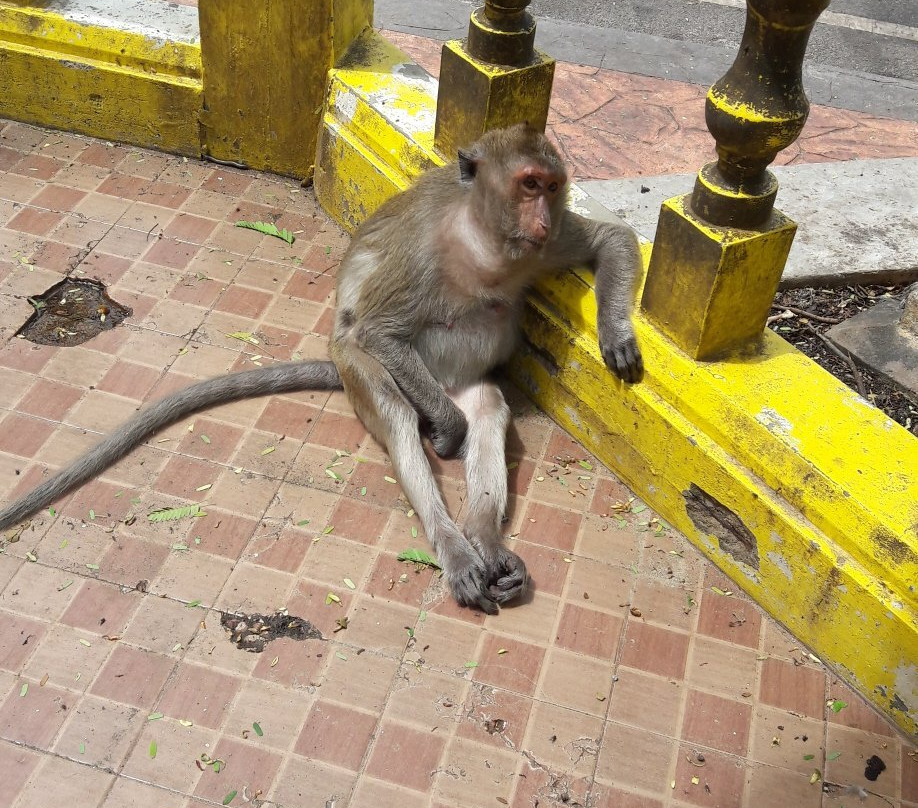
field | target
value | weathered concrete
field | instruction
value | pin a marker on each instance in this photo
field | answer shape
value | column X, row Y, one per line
column 878, row 339
column 856, row 220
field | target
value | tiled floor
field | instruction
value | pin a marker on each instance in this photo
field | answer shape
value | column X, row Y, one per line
column 635, row 677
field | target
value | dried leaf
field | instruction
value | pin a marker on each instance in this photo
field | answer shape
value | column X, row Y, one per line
column 330, row 598
column 267, row 450
column 154, row 716
column 243, row 336
column 349, row 583
column 23, row 690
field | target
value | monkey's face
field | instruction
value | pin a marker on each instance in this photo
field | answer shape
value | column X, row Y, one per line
column 536, row 194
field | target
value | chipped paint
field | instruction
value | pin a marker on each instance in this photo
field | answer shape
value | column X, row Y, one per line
column 777, row 424
column 781, row 564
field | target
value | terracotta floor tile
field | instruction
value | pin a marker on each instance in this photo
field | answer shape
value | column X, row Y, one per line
column 292, row 664
column 16, row 765
column 589, row 631
column 608, row 796
column 550, row 526
column 779, row 738
column 279, row 549
column 278, row 713
column 563, row 740
column 731, row 670
column 32, row 714
column 734, row 620
column 160, row 624
column 636, row 759
column 39, row 592
column 548, row 571
column 343, row 432
column 575, row 681
column 23, row 436
column 446, row 643
column 100, row 733
column 19, row 637
column 391, row 579
column 857, row 714
column 376, row 625
column 132, row 676
column 177, row 749
column 655, row 650
column 635, row 689
column 101, row 608
column 405, row 756
column 721, row 780
column 51, row 400
column 847, row 752
column 251, row 588
column 198, row 694
column 73, row 784
column 716, row 722
column 191, row 577
column 517, row 669
column 309, row 782
column 600, row 585
column 133, row 794
column 336, row 734
column 793, row 687
column 474, row 775
column 69, row 657
column 494, row 717
column 35, row 221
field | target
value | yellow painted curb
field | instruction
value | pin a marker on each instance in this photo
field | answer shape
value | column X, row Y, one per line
column 802, row 492
column 99, row 81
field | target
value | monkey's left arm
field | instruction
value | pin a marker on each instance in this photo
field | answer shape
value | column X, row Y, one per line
column 612, row 252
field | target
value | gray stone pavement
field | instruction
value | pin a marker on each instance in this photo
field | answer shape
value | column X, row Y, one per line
column 857, row 220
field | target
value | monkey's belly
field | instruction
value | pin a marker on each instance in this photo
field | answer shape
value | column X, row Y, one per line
column 461, row 352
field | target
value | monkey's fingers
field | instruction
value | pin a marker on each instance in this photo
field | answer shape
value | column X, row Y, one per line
column 624, row 360
column 448, row 439
column 513, row 577
column 469, row 585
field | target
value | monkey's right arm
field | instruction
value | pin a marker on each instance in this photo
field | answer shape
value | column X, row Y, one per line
column 447, row 424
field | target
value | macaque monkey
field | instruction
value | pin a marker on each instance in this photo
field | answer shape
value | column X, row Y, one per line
column 429, row 296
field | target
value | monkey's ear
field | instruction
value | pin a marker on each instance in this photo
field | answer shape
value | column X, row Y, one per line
column 468, row 165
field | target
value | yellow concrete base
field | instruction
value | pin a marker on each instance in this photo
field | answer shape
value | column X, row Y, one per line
column 99, row 81
column 476, row 96
column 258, row 103
column 709, row 288
column 803, row 493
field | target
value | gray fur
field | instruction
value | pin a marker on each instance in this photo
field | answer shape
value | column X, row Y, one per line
column 281, row 378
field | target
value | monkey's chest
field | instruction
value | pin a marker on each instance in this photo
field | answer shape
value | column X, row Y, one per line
column 461, row 350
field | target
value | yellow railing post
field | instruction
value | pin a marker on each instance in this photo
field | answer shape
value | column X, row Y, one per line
column 265, row 69
column 719, row 252
column 495, row 77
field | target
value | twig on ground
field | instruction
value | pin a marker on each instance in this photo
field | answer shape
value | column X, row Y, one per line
column 858, row 379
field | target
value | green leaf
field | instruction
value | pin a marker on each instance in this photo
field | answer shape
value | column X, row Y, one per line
column 243, row 336
column 23, row 690
column 837, row 705
column 172, row 514
column 808, row 757
column 471, row 664
column 230, row 797
column 418, row 557
column 153, row 748
column 268, row 229
column 833, row 756
column 154, row 716
column 258, row 730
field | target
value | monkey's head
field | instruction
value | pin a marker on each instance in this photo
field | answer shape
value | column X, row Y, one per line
column 518, row 184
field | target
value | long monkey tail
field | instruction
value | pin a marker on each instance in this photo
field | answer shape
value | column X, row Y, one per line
column 287, row 377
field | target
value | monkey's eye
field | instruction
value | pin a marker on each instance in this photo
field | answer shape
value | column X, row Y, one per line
column 553, row 187
column 531, row 183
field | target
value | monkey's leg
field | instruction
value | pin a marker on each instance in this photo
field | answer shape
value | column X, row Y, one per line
column 387, row 414
column 486, row 480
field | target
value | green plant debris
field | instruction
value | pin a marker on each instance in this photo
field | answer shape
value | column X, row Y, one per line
column 173, row 514
column 154, row 716
column 268, row 229
column 837, row 705
column 230, row 797
column 258, row 730
column 418, row 557
column 23, row 690
column 153, row 749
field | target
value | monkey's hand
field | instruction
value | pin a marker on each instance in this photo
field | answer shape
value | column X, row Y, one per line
column 448, row 430
column 620, row 351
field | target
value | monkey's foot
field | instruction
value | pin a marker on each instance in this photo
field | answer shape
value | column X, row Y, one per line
column 508, row 575
column 484, row 583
